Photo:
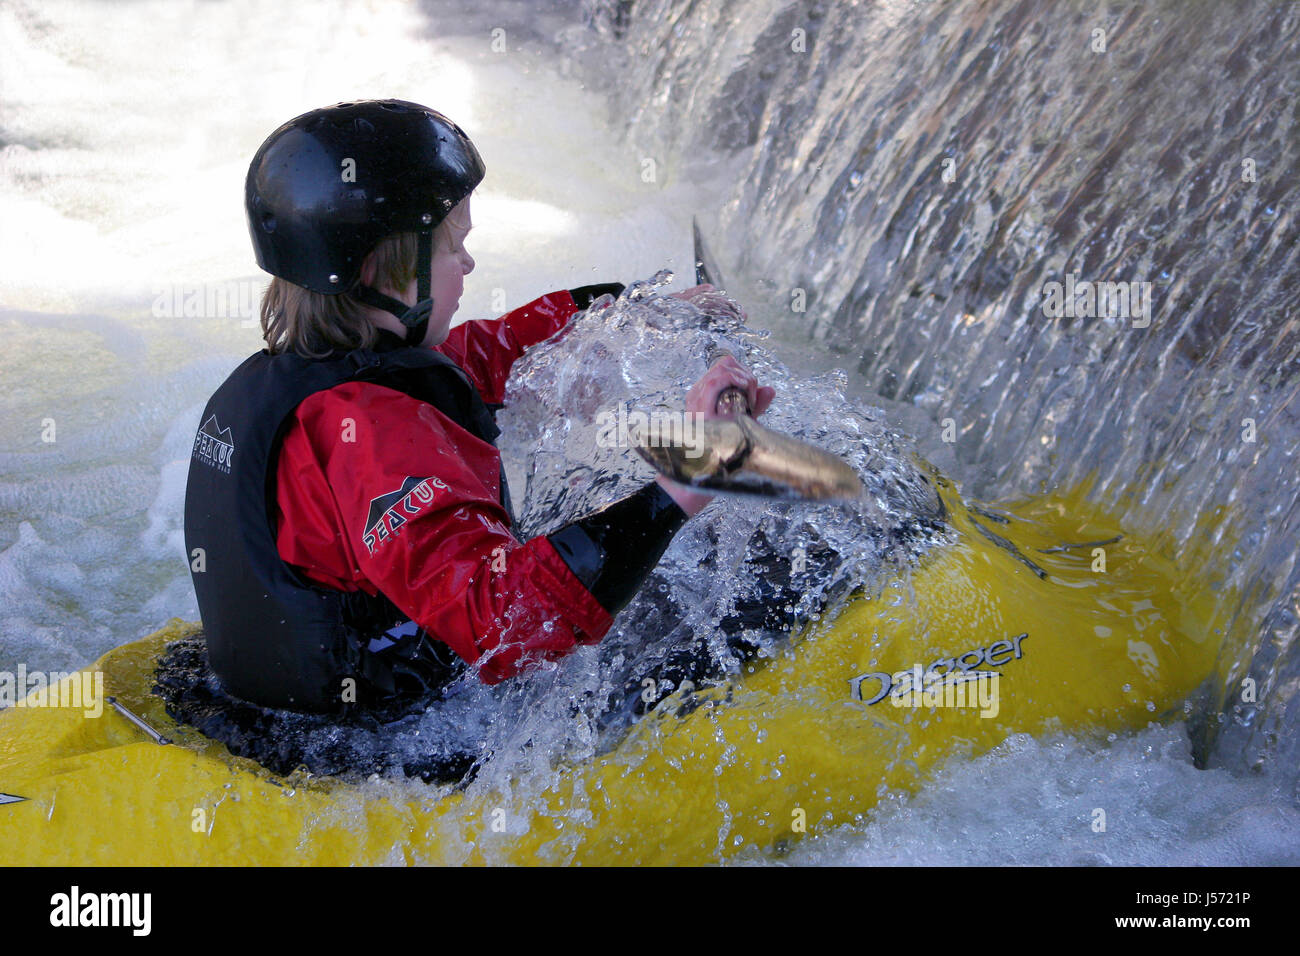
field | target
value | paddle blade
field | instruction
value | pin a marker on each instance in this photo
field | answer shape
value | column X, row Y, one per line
column 740, row 456
column 706, row 270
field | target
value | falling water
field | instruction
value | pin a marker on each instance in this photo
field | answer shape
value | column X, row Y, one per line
column 905, row 180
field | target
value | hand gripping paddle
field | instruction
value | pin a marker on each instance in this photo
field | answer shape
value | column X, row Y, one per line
column 736, row 453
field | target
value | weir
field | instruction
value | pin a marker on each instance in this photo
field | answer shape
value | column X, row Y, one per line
column 921, row 171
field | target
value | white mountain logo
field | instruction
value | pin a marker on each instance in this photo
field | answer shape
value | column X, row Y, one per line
column 214, row 445
column 390, row 511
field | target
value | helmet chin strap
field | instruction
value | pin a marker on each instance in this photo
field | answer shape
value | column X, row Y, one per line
column 414, row 317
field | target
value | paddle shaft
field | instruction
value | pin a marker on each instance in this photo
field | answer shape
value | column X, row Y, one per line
column 733, row 400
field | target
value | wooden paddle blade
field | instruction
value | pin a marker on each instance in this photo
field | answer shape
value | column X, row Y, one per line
column 786, row 462
column 741, row 456
column 715, row 446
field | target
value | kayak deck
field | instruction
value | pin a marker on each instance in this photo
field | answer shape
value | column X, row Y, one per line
column 796, row 747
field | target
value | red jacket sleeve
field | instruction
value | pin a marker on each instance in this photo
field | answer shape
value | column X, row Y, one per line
column 486, row 349
column 380, row 492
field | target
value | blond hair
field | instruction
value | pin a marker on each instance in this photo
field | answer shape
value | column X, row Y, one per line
column 314, row 324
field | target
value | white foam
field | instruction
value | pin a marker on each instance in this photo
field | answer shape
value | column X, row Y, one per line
column 122, row 173
column 1035, row 802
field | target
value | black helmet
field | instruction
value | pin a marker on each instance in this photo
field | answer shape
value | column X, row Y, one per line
column 327, row 186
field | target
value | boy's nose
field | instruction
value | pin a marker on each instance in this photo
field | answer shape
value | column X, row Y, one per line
column 467, row 262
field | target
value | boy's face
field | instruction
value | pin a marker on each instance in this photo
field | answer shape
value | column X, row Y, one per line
column 451, row 263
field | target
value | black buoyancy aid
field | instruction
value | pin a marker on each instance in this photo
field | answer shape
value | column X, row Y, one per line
column 273, row 637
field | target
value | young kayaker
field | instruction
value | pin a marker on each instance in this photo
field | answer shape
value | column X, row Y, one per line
column 347, row 518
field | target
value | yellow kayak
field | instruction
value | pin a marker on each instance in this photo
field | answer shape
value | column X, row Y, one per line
column 1041, row 617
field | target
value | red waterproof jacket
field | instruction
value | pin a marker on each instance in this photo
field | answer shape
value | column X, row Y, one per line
column 452, row 565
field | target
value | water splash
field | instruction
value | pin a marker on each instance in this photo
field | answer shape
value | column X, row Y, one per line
column 898, row 184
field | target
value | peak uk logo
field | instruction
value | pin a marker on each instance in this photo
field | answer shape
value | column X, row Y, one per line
column 214, row 445
column 390, row 511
